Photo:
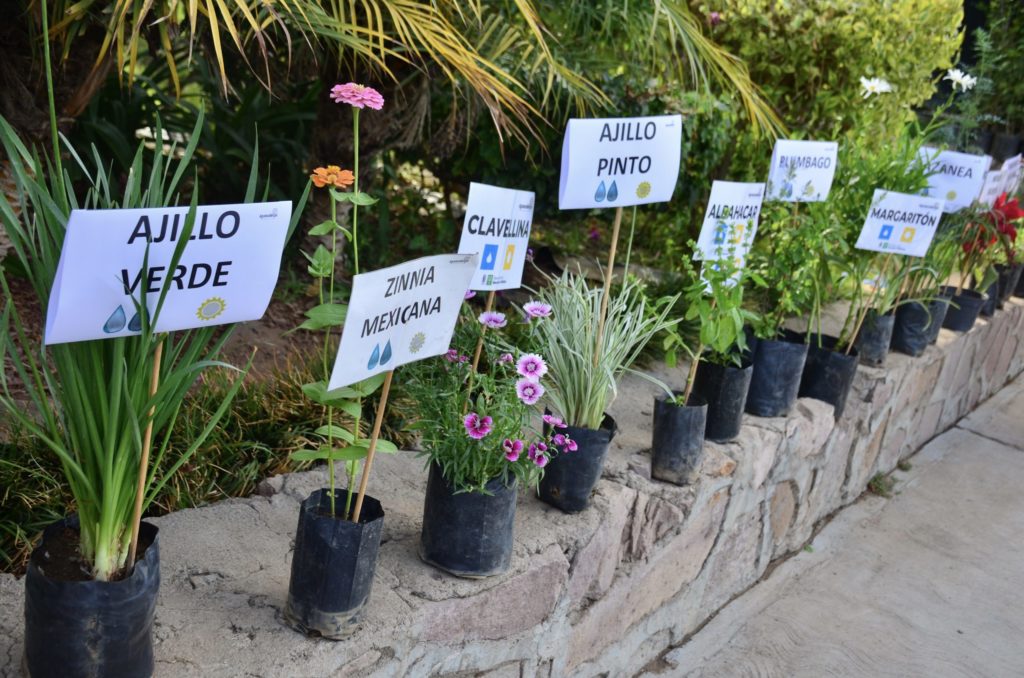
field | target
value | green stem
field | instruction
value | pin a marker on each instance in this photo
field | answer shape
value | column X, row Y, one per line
column 355, row 261
column 327, row 351
column 51, row 101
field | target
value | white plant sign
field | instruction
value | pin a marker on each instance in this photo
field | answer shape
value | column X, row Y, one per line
column 497, row 227
column 957, row 178
column 899, row 223
column 730, row 221
column 993, row 187
column 1011, row 175
column 802, row 171
column 617, row 162
column 401, row 314
column 226, row 274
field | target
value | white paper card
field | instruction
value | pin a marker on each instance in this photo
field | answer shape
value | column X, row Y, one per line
column 401, row 314
column 993, row 187
column 617, row 162
column 497, row 227
column 1012, row 171
column 899, row 223
column 957, row 178
column 802, row 171
column 226, row 274
column 730, row 220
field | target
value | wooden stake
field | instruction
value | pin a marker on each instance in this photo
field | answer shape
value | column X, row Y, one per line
column 607, row 283
column 378, row 420
column 147, row 442
column 476, row 354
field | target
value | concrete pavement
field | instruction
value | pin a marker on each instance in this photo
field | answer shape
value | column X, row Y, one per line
column 929, row 582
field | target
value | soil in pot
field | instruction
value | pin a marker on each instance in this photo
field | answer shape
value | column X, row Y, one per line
column 468, row 534
column 938, row 307
column 963, row 309
column 677, row 442
column 333, row 565
column 570, row 478
column 874, row 337
column 828, row 373
column 725, row 388
column 775, row 383
column 77, row 626
column 911, row 333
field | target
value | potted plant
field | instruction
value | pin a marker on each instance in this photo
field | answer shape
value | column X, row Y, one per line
column 923, row 302
column 973, row 269
column 338, row 535
column 99, row 406
column 583, row 377
column 711, row 402
column 783, row 266
column 1005, row 216
column 479, row 438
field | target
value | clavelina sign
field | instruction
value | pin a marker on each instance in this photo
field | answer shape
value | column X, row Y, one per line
column 497, row 227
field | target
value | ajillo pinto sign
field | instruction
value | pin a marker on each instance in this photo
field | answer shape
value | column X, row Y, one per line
column 226, row 273
column 617, row 162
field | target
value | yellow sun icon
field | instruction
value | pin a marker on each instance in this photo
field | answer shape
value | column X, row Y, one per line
column 951, row 195
column 211, row 308
column 644, row 189
column 417, row 342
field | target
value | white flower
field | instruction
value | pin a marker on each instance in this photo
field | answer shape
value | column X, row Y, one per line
column 871, row 86
column 961, row 79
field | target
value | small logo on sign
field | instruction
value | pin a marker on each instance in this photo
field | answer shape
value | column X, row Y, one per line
column 908, row 234
column 510, row 253
column 211, row 308
column 885, row 233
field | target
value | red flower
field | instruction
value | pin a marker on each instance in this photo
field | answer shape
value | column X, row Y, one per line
column 1003, row 213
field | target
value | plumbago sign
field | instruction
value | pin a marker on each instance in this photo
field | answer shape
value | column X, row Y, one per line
column 898, row 223
column 957, row 178
column 802, row 171
column 226, row 273
column 617, row 162
column 730, row 221
column 497, row 227
column 401, row 314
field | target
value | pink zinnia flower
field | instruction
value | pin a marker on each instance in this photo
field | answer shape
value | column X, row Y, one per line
column 537, row 309
column 492, row 319
column 357, row 96
column 553, row 421
column 531, row 366
column 505, row 358
column 529, row 391
column 469, row 294
column 476, row 426
column 512, row 449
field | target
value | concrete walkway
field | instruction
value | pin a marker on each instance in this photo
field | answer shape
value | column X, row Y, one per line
column 927, row 583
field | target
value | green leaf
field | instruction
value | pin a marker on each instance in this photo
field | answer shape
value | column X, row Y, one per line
column 317, row 392
column 360, row 198
column 346, row 454
column 335, row 432
column 321, row 264
column 324, row 228
column 325, row 315
column 368, row 386
column 382, row 445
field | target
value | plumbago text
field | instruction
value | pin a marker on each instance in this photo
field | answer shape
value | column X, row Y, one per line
column 191, row 276
column 404, row 313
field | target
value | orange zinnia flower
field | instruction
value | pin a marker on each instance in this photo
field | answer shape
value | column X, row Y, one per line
column 332, row 175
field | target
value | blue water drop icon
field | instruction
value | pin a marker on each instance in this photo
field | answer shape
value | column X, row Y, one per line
column 386, row 355
column 599, row 195
column 613, row 192
column 374, row 358
column 115, row 323
column 135, row 324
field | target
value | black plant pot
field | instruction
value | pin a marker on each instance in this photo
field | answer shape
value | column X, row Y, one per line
column 828, row 373
column 90, row 628
column 938, row 307
column 678, row 438
column 988, row 307
column 725, row 390
column 1018, row 289
column 874, row 337
column 1004, row 146
column 1009, row 278
column 963, row 309
column 333, row 565
column 468, row 534
column 775, row 383
column 983, row 140
column 570, row 477
column 912, row 331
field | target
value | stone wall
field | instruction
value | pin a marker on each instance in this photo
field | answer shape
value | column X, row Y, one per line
column 599, row 593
